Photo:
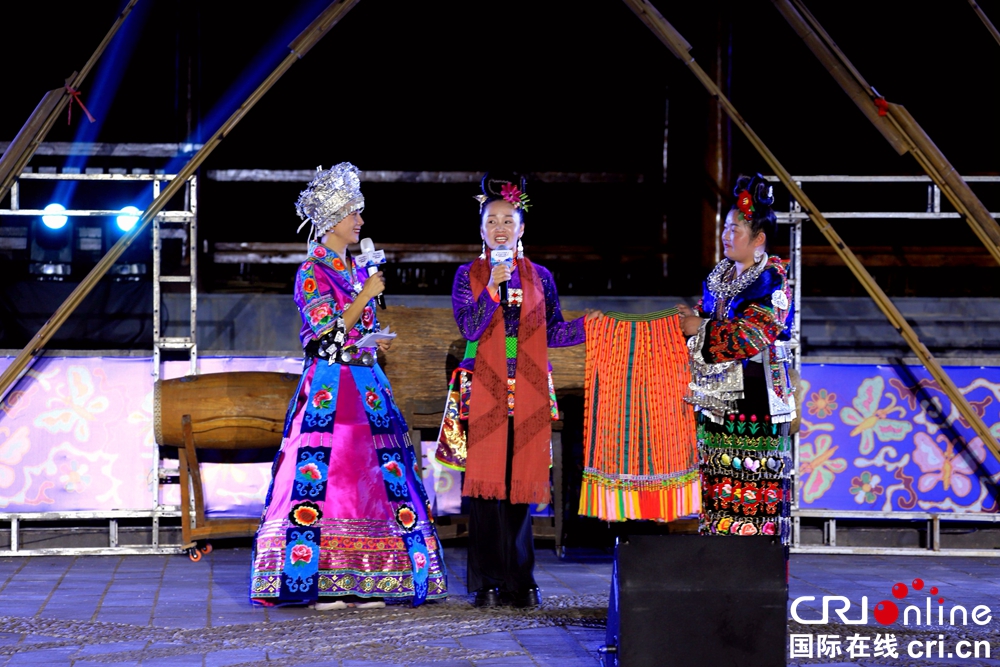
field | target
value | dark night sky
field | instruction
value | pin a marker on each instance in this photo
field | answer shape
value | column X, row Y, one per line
column 537, row 84
column 405, row 84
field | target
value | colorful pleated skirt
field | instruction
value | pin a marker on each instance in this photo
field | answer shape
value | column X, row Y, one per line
column 346, row 513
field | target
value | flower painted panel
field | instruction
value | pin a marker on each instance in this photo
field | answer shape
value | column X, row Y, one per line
column 76, row 435
column 887, row 438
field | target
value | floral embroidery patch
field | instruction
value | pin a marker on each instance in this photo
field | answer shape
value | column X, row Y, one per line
column 311, row 473
column 393, row 474
column 372, row 399
column 406, row 517
column 367, row 317
column 301, row 563
column 301, row 554
column 305, row 514
column 321, row 315
column 322, row 398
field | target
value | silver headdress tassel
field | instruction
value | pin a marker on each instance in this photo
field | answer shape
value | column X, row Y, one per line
column 333, row 194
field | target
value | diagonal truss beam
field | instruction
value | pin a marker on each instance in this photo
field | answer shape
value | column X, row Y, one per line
column 894, row 122
column 986, row 20
column 680, row 48
column 298, row 48
column 21, row 150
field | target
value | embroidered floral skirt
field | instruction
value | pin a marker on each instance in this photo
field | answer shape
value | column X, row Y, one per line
column 746, row 465
column 346, row 513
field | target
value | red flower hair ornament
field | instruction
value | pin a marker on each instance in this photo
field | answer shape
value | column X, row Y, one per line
column 744, row 202
column 513, row 195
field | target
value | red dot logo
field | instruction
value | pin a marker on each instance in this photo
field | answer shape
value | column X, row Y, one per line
column 940, row 600
column 886, row 612
column 933, row 590
column 899, row 592
column 918, row 584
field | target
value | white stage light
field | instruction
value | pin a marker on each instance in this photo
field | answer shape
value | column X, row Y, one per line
column 53, row 221
column 130, row 216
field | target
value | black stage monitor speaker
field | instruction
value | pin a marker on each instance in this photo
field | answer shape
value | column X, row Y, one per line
column 698, row 601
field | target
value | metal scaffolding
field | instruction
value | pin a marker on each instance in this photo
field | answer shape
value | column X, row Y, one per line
column 932, row 520
column 168, row 223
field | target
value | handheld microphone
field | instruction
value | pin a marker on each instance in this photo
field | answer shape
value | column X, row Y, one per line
column 372, row 261
column 502, row 256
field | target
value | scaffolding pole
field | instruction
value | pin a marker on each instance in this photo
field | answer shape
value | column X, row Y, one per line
column 35, row 129
column 985, row 19
column 307, row 39
column 894, row 122
column 682, row 50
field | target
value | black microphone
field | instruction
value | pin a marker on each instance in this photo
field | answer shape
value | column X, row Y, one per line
column 502, row 256
column 368, row 248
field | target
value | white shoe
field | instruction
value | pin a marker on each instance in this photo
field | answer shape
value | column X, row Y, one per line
column 373, row 604
column 328, row 606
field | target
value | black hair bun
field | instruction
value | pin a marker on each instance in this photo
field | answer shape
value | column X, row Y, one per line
column 758, row 187
column 494, row 181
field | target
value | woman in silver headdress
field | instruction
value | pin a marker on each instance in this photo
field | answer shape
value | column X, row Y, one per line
column 346, row 521
column 741, row 385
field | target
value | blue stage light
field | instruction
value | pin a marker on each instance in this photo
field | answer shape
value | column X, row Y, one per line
column 53, row 221
column 130, row 216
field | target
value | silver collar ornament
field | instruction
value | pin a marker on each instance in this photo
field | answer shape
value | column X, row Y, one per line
column 722, row 287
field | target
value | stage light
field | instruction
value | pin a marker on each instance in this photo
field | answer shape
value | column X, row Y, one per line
column 53, row 221
column 129, row 218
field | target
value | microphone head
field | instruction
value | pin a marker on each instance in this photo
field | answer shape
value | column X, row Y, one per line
column 501, row 255
column 367, row 245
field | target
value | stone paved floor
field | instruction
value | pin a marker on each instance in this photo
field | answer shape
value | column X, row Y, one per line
column 166, row 610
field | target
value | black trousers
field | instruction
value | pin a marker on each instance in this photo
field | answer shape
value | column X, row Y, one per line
column 501, row 546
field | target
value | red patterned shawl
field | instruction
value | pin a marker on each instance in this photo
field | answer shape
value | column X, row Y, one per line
column 485, row 472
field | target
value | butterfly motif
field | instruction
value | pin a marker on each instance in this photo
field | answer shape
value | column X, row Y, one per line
column 12, row 450
column 953, row 469
column 144, row 417
column 79, row 408
column 817, row 467
column 871, row 421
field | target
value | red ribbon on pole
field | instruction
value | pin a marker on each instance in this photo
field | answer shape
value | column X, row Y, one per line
column 883, row 106
column 75, row 95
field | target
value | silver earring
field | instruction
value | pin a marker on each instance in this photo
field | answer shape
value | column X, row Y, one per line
column 757, row 254
column 520, row 249
column 483, row 255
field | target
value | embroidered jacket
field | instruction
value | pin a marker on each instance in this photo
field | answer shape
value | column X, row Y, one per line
column 753, row 325
column 473, row 313
column 325, row 286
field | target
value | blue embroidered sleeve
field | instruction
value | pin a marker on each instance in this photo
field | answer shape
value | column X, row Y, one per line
column 756, row 319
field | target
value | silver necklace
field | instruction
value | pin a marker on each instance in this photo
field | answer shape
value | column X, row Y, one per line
column 723, row 287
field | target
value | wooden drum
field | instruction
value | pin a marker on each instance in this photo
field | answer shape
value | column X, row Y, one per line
column 228, row 410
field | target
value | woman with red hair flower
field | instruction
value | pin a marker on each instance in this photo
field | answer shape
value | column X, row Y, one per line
column 504, row 449
column 741, row 385
column 347, row 521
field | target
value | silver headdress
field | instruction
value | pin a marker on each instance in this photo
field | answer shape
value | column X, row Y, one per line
column 333, row 195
